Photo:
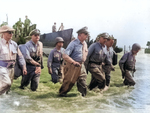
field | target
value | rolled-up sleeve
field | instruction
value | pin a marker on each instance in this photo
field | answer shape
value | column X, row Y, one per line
column 27, row 55
column 69, row 49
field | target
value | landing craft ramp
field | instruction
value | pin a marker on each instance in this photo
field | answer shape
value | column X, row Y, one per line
column 48, row 39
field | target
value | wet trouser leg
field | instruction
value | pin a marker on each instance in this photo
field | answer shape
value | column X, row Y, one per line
column 98, row 77
column 31, row 76
column 93, row 83
column 107, row 76
column 54, row 76
column 71, row 74
column 5, row 80
column 128, row 79
column 57, row 75
column 81, row 82
column 35, row 81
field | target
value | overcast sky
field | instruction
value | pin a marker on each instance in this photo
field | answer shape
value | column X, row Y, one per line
column 127, row 20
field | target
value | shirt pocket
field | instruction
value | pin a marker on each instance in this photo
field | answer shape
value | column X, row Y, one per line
column 78, row 49
column 56, row 57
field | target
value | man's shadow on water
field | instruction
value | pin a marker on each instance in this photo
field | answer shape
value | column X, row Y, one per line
column 55, row 95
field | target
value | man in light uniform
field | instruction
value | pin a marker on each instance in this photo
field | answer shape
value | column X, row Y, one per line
column 61, row 28
column 109, row 51
column 54, row 27
column 34, row 60
column 74, row 70
column 95, row 58
column 55, row 60
column 8, row 53
column 127, row 65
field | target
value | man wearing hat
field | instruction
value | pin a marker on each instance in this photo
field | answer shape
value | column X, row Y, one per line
column 55, row 60
column 95, row 58
column 34, row 60
column 127, row 65
column 74, row 70
column 109, row 51
column 9, row 52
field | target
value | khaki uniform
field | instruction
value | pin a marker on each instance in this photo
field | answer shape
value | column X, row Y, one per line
column 95, row 58
column 8, row 55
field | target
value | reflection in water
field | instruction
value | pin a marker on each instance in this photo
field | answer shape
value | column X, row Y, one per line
column 135, row 101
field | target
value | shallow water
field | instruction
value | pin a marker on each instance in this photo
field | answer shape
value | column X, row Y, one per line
column 134, row 101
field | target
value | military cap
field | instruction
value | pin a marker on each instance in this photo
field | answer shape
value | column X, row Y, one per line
column 59, row 39
column 83, row 30
column 136, row 47
column 104, row 35
column 34, row 32
column 6, row 28
column 111, row 37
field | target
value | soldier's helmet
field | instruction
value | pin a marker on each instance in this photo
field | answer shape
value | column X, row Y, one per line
column 6, row 28
column 34, row 32
column 83, row 30
column 136, row 47
column 111, row 37
column 59, row 39
column 104, row 35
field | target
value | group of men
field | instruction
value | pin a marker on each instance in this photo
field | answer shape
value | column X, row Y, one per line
column 28, row 57
column 61, row 28
column 68, row 66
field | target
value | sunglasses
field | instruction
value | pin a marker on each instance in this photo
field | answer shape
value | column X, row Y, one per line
column 36, row 35
column 9, row 32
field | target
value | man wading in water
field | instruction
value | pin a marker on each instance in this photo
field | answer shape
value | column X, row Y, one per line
column 95, row 58
column 127, row 65
column 74, row 70
column 54, row 62
column 9, row 52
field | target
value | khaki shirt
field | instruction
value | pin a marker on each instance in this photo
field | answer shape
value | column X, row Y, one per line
column 9, row 52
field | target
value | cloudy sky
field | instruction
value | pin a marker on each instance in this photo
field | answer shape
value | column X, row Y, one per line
column 126, row 20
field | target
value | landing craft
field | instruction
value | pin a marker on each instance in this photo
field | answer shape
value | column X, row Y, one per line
column 48, row 39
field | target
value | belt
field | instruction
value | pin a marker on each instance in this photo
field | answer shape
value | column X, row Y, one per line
column 3, row 64
column 7, row 63
column 98, row 63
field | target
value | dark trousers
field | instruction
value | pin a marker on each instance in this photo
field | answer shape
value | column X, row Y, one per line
column 97, row 76
column 56, row 74
column 107, row 76
column 128, row 79
column 31, row 77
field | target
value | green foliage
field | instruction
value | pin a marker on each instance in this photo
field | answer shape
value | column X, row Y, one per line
column 147, row 50
column 118, row 50
column 22, row 30
column 21, row 41
column 4, row 23
column 148, row 43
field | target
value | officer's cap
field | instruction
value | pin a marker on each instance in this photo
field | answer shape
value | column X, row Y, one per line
column 111, row 37
column 34, row 32
column 6, row 28
column 104, row 35
column 83, row 30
